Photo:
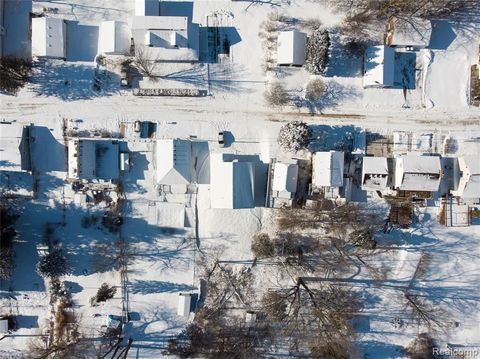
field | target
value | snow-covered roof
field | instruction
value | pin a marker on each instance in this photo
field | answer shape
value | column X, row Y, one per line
column 417, row 173
column 4, row 326
column 285, row 177
column 93, row 159
column 231, row 183
column 14, row 147
column 113, row 37
column 173, row 161
column 166, row 38
column 374, row 173
column 147, row 7
column 291, row 47
column 184, row 304
column 468, row 181
column 165, row 214
column 48, row 37
column 327, row 169
column 409, row 32
column 379, row 66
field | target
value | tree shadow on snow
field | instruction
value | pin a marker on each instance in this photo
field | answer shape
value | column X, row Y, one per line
column 67, row 81
column 157, row 286
column 333, row 97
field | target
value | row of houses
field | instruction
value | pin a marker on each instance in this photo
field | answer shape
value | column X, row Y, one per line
column 233, row 178
column 158, row 38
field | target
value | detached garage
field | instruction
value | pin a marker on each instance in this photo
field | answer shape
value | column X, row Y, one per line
column 291, row 48
column 48, row 37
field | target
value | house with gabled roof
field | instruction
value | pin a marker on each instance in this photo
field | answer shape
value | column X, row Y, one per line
column 374, row 173
column 327, row 173
column 173, row 162
column 466, row 173
column 412, row 32
column 417, row 173
column 93, row 159
column 231, row 182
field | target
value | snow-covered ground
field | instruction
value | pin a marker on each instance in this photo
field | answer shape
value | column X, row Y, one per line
column 164, row 261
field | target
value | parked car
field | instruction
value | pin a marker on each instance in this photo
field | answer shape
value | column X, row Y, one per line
column 221, row 139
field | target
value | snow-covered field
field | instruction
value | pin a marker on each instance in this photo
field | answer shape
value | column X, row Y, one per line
column 164, row 258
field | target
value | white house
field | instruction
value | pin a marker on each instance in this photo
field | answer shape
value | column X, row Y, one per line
column 113, row 38
column 327, row 173
column 327, row 169
column 379, row 64
column 90, row 159
column 231, row 182
column 374, row 173
column 291, row 48
column 414, row 32
column 467, row 179
column 166, row 38
column 48, row 37
column 414, row 172
column 147, row 7
column 284, row 183
column 173, row 162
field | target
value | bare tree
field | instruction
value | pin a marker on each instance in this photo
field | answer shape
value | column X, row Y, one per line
column 315, row 317
column 117, row 256
column 263, row 246
column 421, row 347
column 315, row 90
column 144, row 62
column 276, row 95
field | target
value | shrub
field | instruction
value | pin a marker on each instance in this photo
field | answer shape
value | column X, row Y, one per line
column 276, row 95
column 421, row 347
column 294, row 136
column 104, row 293
column 317, row 50
column 52, row 265
column 315, row 90
column 14, row 73
column 263, row 246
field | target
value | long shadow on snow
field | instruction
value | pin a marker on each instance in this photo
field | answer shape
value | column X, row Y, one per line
column 334, row 94
column 67, row 81
column 158, row 286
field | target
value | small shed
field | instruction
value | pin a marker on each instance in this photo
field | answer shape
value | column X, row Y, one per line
column 113, row 38
column 184, row 304
column 374, row 173
column 3, row 326
column 412, row 32
column 291, row 47
column 456, row 215
column 48, row 37
column 379, row 65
